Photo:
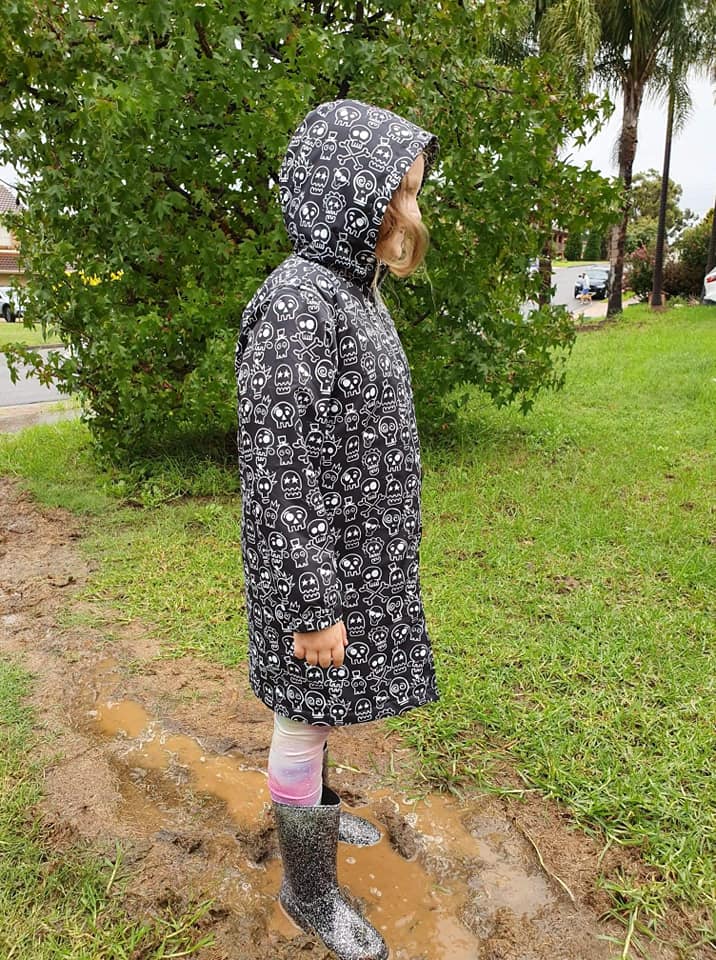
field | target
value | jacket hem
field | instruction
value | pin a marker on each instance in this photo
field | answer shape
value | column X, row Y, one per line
column 351, row 718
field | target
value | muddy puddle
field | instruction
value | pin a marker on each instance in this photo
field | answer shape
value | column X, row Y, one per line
column 166, row 758
column 417, row 912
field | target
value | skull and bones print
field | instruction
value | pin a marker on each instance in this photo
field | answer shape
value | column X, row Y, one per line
column 328, row 446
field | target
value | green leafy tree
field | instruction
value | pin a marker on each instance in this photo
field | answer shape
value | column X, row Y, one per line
column 641, row 233
column 693, row 254
column 573, row 246
column 570, row 30
column 149, row 138
column 711, row 257
column 593, row 245
column 645, row 197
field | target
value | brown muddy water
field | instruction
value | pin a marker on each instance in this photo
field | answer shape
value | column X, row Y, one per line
column 165, row 759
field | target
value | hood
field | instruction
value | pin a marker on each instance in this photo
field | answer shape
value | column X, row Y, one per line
column 342, row 166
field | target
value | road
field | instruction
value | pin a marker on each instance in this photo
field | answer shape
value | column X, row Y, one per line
column 565, row 278
column 26, row 390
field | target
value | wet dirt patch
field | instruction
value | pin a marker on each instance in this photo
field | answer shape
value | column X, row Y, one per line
column 167, row 757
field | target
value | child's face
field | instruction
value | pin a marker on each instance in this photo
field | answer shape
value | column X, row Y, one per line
column 409, row 185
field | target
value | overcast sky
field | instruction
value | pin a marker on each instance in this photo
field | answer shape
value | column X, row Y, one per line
column 693, row 158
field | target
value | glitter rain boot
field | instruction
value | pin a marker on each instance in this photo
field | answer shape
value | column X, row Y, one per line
column 310, row 895
column 357, row 831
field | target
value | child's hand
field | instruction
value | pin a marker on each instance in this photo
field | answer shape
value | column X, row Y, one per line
column 322, row 647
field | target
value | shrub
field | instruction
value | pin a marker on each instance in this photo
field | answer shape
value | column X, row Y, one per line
column 640, row 272
column 693, row 251
column 151, row 136
column 573, row 246
column 683, row 279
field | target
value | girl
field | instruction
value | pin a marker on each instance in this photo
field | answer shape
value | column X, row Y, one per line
column 331, row 476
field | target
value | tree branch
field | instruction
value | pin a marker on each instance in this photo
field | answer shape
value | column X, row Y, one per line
column 213, row 215
column 203, row 41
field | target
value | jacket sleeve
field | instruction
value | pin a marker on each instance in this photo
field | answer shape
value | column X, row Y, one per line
column 285, row 370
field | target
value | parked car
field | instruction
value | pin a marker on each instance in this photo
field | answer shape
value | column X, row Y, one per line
column 598, row 282
column 709, row 295
column 9, row 305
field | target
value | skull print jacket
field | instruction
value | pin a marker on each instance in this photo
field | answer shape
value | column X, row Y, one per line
column 328, row 446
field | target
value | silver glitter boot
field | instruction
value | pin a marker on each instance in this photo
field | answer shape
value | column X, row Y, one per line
column 357, row 831
column 310, row 895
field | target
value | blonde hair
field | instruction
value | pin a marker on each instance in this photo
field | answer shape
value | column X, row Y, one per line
column 416, row 238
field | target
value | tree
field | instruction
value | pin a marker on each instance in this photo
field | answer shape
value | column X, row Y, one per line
column 693, row 251
column 593, row 246
column 150, row 137
column 642, row 233
column 695, row 50
column 644, row 48
column 711, row 256
column 658, row 275
column 645, row 197
column 573, row 246
column 568, row 29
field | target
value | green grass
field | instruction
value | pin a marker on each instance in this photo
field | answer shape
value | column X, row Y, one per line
column 568, row 576
column 30, row 336
column 64, row 904
column 574, row 263
column 569, row 580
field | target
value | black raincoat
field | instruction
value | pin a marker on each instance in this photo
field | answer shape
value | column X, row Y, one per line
column 328, row 446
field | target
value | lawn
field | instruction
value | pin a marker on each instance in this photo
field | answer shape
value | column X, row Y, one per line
column 29, row 336
column 575, row 263
column 568, row 574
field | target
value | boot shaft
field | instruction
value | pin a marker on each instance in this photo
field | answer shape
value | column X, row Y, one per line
column 308, row 841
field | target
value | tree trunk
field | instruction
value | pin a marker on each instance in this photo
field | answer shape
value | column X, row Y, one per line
column 545, row 273
column 632, row 94
column 545, row 260
column 658, row 280
column 711, row 262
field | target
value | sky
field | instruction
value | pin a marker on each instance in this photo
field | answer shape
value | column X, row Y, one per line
column 693, row 163
column 693, row 152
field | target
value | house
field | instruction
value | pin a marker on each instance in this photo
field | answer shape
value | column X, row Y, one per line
column 559, row 241
column 9, row 266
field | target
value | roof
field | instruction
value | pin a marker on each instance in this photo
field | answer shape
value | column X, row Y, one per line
column 8, row 263
column 7, row 200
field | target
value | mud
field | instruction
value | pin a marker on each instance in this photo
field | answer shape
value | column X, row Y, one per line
column 166, row 757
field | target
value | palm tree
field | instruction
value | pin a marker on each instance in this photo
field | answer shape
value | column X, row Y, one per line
column 658, row 279
column 711, row 260
column 698, row 52
column 642, row 46
column 570, row 28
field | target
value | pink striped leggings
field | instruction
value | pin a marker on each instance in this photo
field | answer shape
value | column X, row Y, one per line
column 295, row 763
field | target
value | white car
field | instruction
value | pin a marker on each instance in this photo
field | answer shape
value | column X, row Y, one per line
column 710, row 287
column 10, row 308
